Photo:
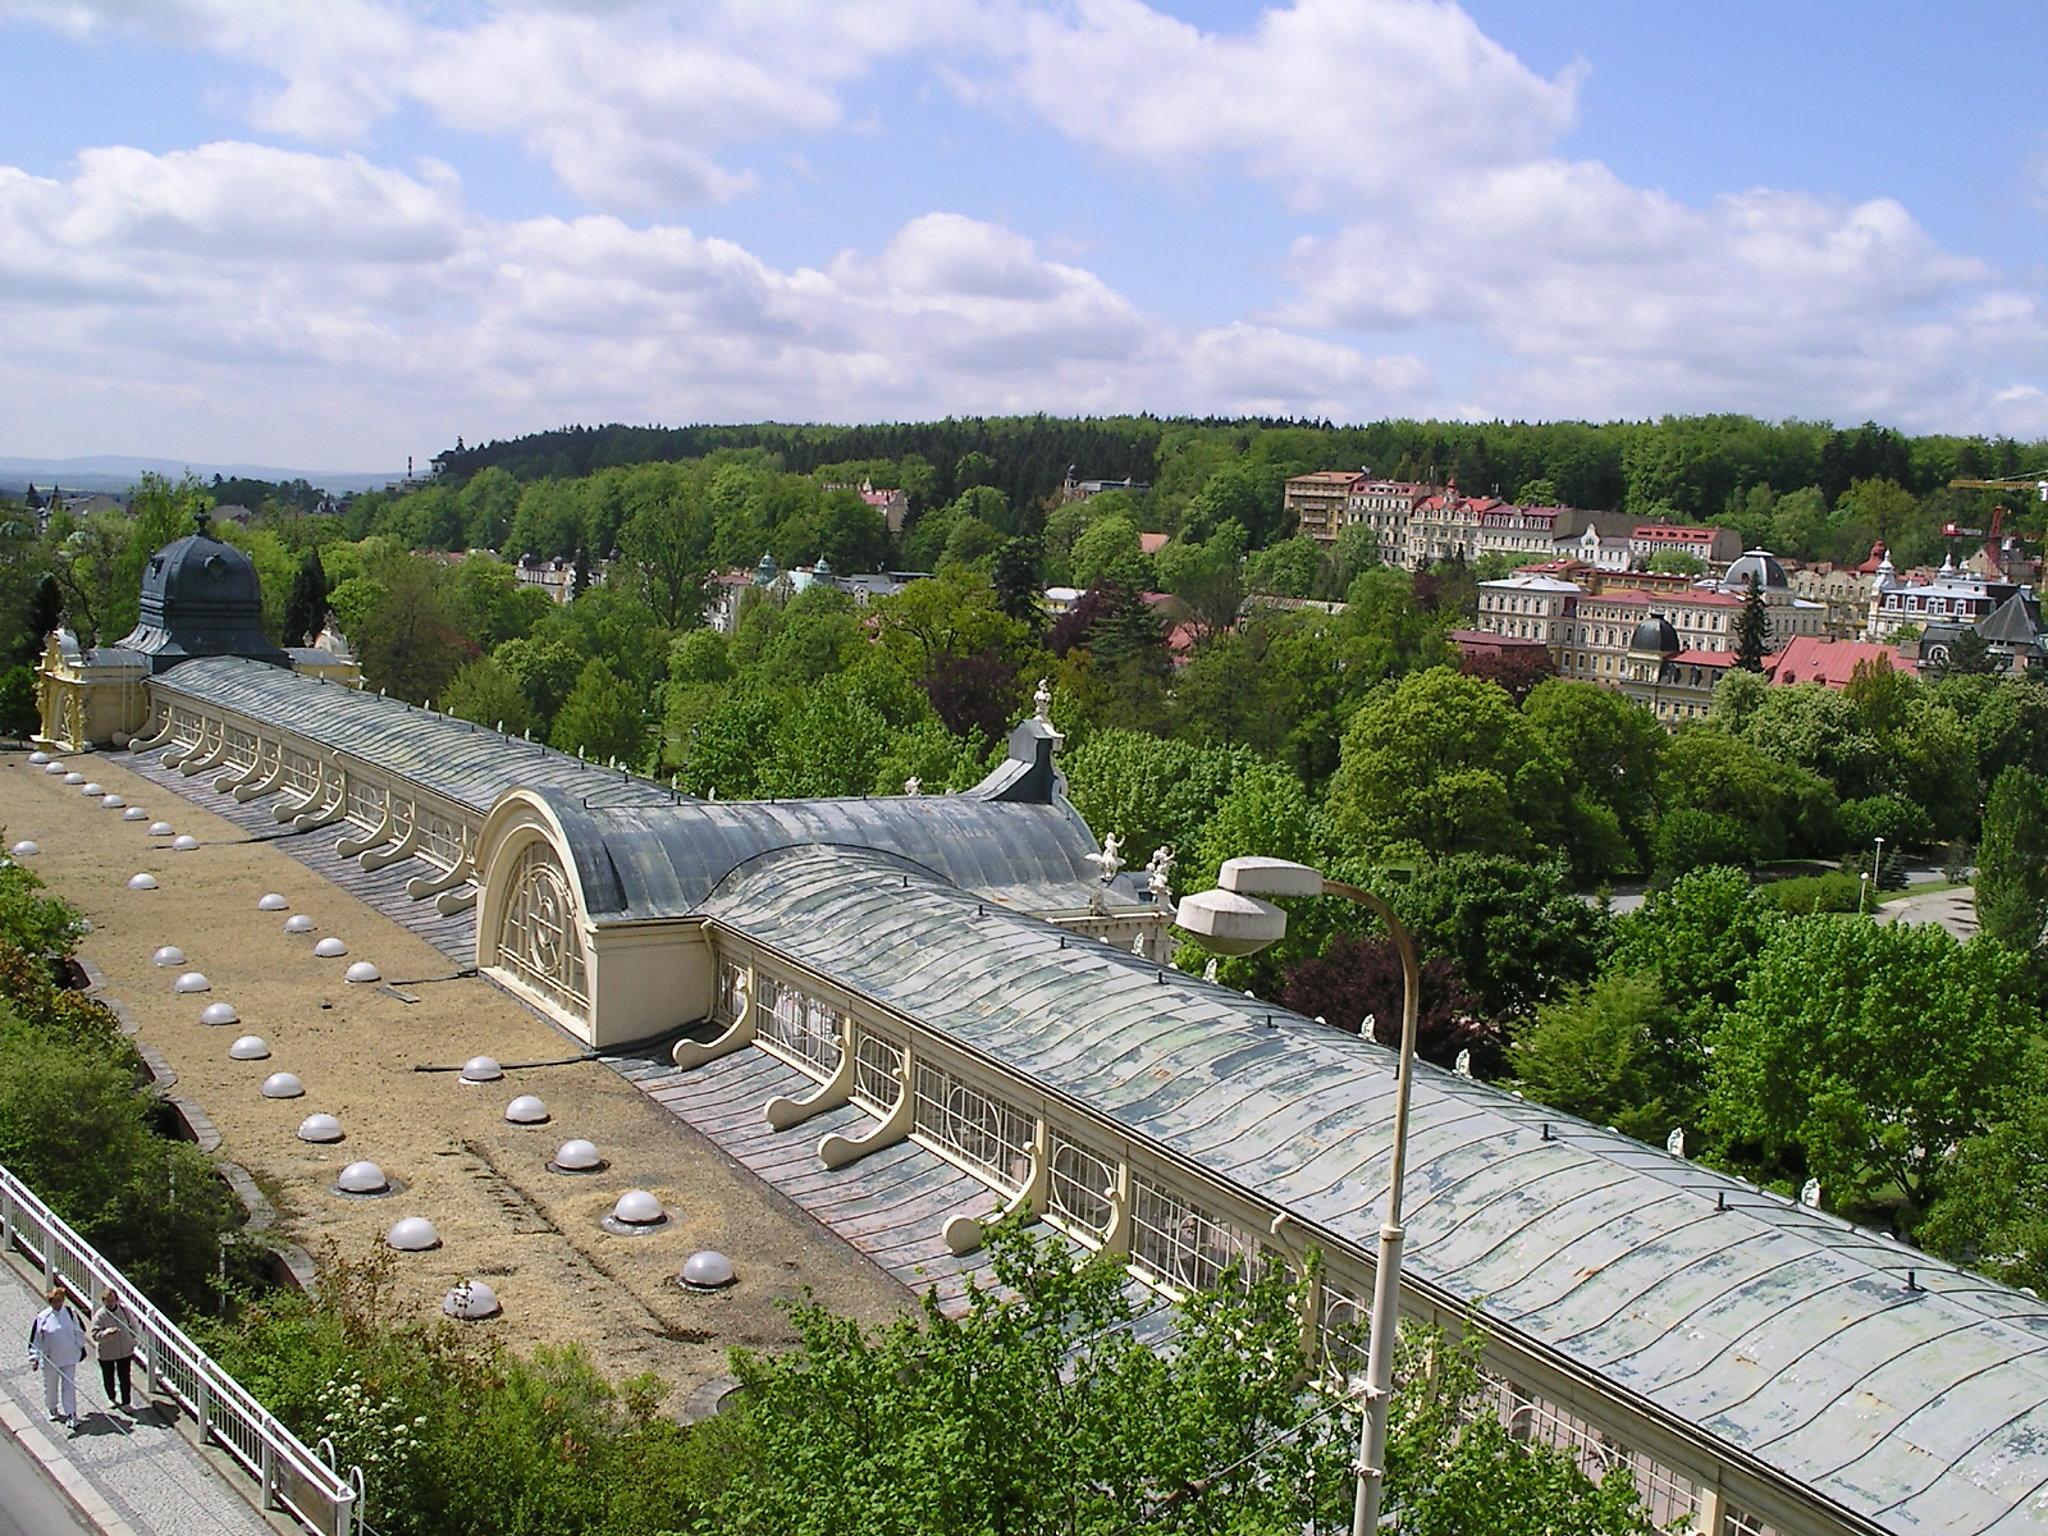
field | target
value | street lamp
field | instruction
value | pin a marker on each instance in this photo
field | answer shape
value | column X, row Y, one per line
column 1233, row 920
column 1873, row 882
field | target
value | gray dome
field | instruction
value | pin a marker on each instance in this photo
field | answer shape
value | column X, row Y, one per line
column 200, row 597
column 1655, row 636
column 1758, row 563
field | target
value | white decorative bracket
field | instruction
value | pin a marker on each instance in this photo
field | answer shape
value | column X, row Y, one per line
column 404, row 848
column 267, row 785
column 387, row 826
column 420, row 887
column 448, row 903
column 783, row 1111
column 151, row 743
column 963, row 1234
column 738, row 1035
column 213, row 758
column 836, row 1151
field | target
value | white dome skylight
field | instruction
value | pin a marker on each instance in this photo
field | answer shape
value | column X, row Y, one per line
column 362, row 1179
column 361, row 970
column 25, row 849
column 330, row 949
column 142, row 882
column 170, row 954
column 320, row 1128
column 219, row 1013
column 192, row 981
column 482, row 1069
column 707, row 1270
column 470, row 1301
column 283, row 1085
column 159, row 829
column 250, row 1048
column 299, row 923
column 577, row 1156
column 526, row 1110
column 414, row 1234
column 271, row 902
column 184, row 842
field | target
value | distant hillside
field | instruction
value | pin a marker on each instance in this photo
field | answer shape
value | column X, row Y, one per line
column 116, row 472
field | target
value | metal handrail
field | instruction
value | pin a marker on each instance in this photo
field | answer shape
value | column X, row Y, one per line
column 294, row 1479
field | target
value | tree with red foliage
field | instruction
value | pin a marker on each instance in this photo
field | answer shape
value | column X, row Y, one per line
column 1515, row 668
column 971, row 693
column 1356, row 976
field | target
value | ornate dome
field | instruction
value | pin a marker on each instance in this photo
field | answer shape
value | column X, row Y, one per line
column 200, row 597
column 1758, row 563
column 1655, row 637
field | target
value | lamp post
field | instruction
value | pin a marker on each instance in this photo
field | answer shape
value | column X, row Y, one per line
column 1233, row 920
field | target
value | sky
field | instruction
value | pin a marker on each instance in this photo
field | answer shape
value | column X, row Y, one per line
column 333, row 233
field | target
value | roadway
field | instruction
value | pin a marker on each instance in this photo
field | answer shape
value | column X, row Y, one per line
column 30, row 1504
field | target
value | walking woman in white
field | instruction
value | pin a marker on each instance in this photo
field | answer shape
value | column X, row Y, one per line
column 56, row 1343
column 113, row 1335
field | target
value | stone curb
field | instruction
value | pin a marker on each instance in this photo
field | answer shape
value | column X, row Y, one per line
column 61, row 1471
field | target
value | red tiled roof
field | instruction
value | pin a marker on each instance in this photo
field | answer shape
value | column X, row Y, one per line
column 1152, row 543
column 1667, row 599
column 1705, row 658
column 1671, row 531
column 1816, row 659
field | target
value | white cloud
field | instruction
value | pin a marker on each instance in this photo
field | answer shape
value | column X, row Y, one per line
column 633, row 106
column 248, row 301
column 1331, row 99
column 1601, row 299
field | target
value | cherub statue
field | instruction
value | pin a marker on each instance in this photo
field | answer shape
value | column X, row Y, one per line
column 1111, row 859
column 913, row 785
column 1041, row 702
column 1209, row 971
column 1158, row 868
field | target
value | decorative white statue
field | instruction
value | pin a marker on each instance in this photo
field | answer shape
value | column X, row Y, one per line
column 1138, row 942
column 913, row 785
column 1675, row 1142
column 1157, row 869
column 1041, row 702
column 1209, row 971
column 1111, row 859
column 1463, row 1065
column 1809, row 1194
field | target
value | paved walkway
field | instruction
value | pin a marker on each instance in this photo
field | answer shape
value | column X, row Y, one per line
column 1955, row 910
column 134, row 1475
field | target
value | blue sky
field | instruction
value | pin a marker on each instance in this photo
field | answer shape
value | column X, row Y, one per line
column 331, row 233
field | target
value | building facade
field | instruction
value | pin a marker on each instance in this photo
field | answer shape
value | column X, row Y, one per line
column 1594, row 621
column 1317, row 501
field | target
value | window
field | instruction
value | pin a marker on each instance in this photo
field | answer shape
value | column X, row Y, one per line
column 877, row 1064
column 1183, row 1244
column 537, row 938
column 988, row 1133
column 731, row 977
column 1342, row 1327
column 803, row 1026
column 1740, row 1522
column 1078, row 1184
column 300, row 773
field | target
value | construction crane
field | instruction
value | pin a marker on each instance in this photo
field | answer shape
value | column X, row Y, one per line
column 2038, row 484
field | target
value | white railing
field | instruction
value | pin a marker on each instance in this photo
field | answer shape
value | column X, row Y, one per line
column 293, row 1478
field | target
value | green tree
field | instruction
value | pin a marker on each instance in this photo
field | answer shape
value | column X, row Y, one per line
column 666, row 542
column 2012, row 860
column 488, row 504
column 1148, row 791
column 545, row 665
column 1595, row 1052
column 407, row 637
column 1445, row 764
column 1514, row 929
column 1752, row 629
column 1860, row 1052
column 1208, row 577
column 1610, row 747
column 485, row 692
column 1992, row 1211
column 908, row 1430
column 306, row 610
column 1289, row 568
column 1019, row 581
column 1109, row 552
column 601, row 718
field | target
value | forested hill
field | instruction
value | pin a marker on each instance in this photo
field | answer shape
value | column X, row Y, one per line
column 1693, row 465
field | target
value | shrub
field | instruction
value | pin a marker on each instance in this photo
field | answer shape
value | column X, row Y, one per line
column 1838, row 892
column 1892, row 817
column 1688, row 839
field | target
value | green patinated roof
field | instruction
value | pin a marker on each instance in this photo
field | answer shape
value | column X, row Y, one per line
column 1783, row 1333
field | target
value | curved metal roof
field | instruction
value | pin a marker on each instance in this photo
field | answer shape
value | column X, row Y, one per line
column 469, row 764
column 644, row 852
column 639, row 862
column 1782, row 1332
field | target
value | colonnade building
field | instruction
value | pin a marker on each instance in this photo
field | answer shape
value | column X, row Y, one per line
column 969, row 983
